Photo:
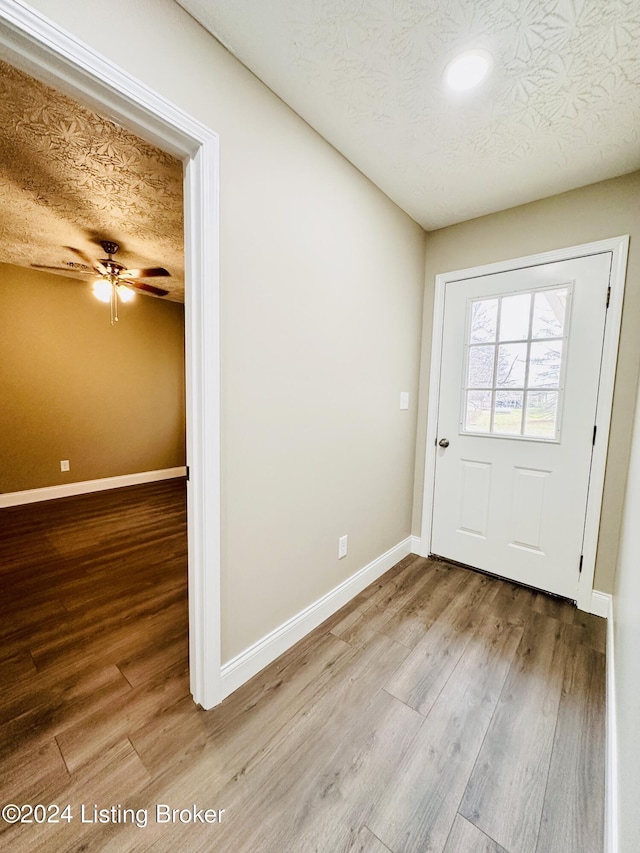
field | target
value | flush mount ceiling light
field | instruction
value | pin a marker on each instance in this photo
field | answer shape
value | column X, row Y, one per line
column 467, row 70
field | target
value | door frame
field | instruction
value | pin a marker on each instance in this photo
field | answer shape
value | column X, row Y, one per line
column 33, row 43
column 618, row 246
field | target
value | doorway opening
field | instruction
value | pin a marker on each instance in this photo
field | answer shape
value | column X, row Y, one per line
column 34, row 45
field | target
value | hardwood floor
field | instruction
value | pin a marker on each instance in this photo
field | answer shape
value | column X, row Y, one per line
column 441, row 710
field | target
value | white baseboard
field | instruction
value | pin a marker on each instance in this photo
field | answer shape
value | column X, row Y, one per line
column 84, row 487
column 611, row 782
column 600, row 604
column 245, row 665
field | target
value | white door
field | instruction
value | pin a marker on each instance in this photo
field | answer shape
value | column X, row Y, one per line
column 521, row 357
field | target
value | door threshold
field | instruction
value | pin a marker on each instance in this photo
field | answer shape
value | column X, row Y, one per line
column 440, row 559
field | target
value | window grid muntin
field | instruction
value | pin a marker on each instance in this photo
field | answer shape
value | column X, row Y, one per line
column 496, row 343
column 494, row 380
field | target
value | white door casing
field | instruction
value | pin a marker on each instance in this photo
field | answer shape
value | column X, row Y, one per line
column 33, row 43
column 496, row 502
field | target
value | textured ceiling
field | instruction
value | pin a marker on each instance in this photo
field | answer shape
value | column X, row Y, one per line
column 560, row 110
column 69, row 177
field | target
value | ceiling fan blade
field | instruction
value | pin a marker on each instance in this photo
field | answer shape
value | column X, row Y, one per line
column 152, row 272
column 88, row 261
column 62, row 269
column 147, row 288
column 95, row 265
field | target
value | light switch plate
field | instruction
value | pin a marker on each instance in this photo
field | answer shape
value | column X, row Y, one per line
column 404, row 399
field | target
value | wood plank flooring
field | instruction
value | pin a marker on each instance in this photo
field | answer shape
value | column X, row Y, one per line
column 440, row 711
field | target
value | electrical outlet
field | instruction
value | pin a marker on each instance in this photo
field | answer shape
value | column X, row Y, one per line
column 404, row 399
column 64, row 464
column 342, row 547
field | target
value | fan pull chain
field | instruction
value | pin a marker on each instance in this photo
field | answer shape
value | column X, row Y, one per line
column 114, row 304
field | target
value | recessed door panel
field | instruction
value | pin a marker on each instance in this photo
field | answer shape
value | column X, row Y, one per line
column 475, row 488
column 528, row 505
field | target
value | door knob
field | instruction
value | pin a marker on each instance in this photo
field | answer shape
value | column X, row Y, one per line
column 444, row 442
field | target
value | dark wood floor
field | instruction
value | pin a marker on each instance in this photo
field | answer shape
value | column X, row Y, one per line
column 440, row 711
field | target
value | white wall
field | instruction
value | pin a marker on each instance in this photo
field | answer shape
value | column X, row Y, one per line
column 322, row 287
column 626, row 608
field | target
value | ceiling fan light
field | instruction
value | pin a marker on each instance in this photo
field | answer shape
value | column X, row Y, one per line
column 468, row 69
column 102, row 290
column 125, row 294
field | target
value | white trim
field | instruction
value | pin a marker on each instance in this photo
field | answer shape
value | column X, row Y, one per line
column 35, row 44
column 83, row 487
column 600, row 604
column 432, row 414
column 245, row 665
column 618, row 246
column 611, row 782
column 416, row 546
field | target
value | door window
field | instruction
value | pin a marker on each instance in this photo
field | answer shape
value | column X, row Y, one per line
column 514, row 366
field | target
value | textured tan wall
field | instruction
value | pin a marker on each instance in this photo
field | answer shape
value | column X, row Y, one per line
column 607, row 209
column 108, row 399
column 322, row 283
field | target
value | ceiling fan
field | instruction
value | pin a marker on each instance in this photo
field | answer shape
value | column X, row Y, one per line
column 115, row 283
